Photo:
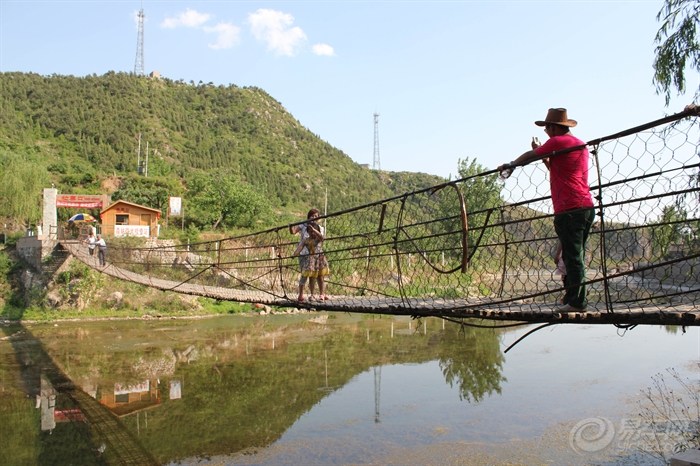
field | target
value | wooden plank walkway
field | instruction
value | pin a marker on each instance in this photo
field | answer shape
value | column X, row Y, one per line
column 488, row 309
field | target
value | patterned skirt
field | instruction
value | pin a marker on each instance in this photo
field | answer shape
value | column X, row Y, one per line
column 314, row 265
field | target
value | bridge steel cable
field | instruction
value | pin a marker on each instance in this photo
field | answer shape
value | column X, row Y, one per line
column 601, row 221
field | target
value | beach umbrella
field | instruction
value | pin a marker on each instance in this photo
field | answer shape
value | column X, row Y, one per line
column 82, row 218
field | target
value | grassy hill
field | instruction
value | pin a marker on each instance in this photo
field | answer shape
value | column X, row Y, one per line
column 82, row 134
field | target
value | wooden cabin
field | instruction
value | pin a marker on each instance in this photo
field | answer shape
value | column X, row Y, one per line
column 127, row 399
column 124, row 218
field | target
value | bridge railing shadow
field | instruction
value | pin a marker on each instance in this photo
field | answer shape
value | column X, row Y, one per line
column 486, row 241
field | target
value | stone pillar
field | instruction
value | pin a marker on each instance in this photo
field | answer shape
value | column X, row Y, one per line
column 50, row 218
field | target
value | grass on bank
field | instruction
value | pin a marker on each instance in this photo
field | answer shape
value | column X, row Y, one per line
column 78, row 292
column 208, row 307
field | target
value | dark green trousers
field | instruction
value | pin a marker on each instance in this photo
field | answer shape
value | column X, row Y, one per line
column 572, row 229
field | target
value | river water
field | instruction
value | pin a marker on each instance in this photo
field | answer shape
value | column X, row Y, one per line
column 337, row 389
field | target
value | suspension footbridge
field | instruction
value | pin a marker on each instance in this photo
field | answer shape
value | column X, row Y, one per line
column 475, row 248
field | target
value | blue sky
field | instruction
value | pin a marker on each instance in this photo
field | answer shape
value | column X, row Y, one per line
column 450, row 79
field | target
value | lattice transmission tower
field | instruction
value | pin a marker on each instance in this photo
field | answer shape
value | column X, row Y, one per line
column 375, row 164
column 138, row 66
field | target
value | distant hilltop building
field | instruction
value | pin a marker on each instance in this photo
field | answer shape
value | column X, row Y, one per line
column 154, row 75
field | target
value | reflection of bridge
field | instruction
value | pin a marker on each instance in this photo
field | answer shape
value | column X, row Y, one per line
column 108, row 440
column 452, row 251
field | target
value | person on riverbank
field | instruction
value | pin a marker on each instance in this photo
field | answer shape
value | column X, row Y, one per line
column 313, row 265
column 571, row 198
column 101, row 245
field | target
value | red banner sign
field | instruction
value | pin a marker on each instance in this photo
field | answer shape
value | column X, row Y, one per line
column 81, row 201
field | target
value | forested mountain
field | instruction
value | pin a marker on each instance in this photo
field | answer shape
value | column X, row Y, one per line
column 213, row 145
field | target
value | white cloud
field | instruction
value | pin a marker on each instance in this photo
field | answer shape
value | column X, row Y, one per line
column 274, row 28
column 323, row 50
column 189, row 18
column 227, row 35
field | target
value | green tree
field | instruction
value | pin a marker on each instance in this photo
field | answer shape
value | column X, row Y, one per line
column 151, row 192
column 221, row 201
column 481, row 194
column 669, row 230
column 22, row 180
column 480, row 191
column 677, row 47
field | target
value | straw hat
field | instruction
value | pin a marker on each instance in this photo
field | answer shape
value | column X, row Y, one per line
column 557, row 116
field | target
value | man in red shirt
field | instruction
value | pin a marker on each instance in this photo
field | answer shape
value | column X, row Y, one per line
column 571, row 197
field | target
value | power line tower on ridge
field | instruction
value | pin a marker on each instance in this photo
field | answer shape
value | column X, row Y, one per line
column 138, row 66
column 375, row 164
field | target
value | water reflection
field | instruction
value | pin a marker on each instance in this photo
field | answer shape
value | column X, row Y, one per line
column 473, row 363
column 47, row 403
column 245, row 386
column 65, row 436
column 188, row 390
column 71, row 427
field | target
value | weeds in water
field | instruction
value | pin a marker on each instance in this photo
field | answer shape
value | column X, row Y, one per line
column 670, row 411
